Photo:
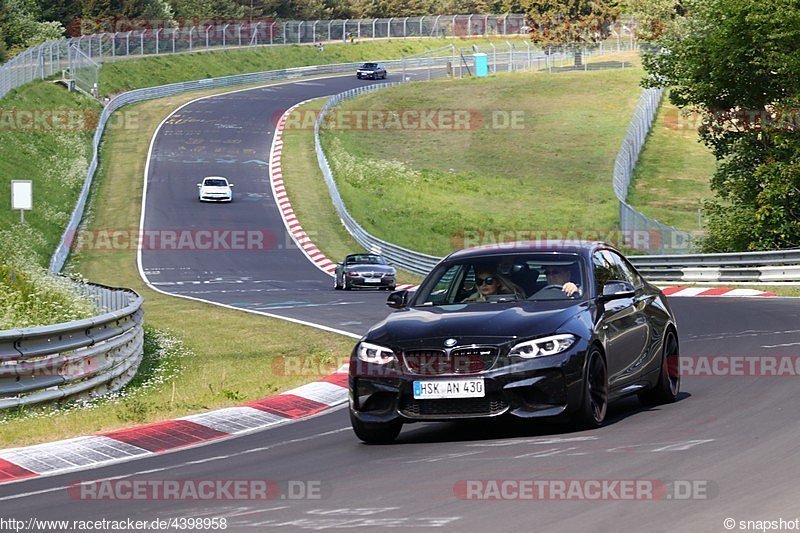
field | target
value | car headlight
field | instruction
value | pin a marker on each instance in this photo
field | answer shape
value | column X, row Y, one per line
column 544, row 346
column 372, row 353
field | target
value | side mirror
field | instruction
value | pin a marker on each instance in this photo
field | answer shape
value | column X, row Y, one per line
column 617, row 290
column 398, row 299
column 230, row 185
column 199, row 184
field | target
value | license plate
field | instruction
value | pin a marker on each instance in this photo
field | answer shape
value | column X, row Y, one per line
column 457, row 388
column 372, row 280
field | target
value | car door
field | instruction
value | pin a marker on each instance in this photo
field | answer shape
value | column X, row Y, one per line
column 623, row 322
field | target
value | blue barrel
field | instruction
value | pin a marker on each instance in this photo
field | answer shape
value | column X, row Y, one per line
column 481, row 65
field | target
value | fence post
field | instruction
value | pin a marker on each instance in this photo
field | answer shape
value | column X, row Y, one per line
column 389, row 28
column 299, row 33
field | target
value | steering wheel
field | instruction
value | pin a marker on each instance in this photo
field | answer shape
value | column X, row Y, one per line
column 558, row 288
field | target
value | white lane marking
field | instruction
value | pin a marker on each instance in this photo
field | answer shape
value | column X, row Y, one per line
column 348, row 511
column 372, row 523
column 543, row 440
column 781, row 345
column 177, row 465
column 140, row 265
column 444, row 457
column 546, row 453
column 682, row 446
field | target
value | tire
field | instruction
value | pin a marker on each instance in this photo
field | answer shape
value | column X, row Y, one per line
column 669, row 379
column 375, row 433
column 594, row 404
column 391, row 288
column 346, row 285
column 336, row 285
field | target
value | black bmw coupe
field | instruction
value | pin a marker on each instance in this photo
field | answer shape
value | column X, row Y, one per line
column 529, row 330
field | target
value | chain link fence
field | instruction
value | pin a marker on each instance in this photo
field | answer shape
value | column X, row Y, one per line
column 51, row 58
column 83, row 358
column 645, row 233
column 83, row 72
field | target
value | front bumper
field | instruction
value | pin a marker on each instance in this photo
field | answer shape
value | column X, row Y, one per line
column 535, row 388
column 208, row 198
column 367, row 75
column 381, row 283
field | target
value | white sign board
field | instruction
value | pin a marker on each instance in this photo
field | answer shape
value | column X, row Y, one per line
column 22, row 194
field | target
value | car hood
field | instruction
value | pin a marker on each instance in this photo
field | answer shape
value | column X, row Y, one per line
column 369, row 268
column 473, row 323
column 208, row 188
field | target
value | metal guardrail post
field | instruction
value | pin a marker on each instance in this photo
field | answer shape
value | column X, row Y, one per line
column 81, row 358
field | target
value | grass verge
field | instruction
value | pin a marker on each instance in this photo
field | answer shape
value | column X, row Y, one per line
column 119, row 76
column 241, row 358
column 435, row 189
column 306, row 188
column 672, row 177
column 45, row 136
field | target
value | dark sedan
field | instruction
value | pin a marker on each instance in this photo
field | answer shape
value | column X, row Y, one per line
column 366, row 271
column 530, row 331
column 371, row 71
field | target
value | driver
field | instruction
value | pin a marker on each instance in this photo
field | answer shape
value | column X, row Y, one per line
column 490, row 283
column 559, row 275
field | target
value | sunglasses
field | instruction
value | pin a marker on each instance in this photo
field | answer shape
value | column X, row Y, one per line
column 485, row 281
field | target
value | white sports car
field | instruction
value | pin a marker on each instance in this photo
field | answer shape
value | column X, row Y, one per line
column 215, row 189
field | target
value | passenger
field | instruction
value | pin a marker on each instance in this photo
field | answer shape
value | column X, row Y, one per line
column 490, row 283
column 559, row 275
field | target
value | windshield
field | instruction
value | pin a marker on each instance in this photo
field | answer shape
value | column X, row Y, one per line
column 369, row 65
column 215, row 183
column 505, row 278
column 366, row 260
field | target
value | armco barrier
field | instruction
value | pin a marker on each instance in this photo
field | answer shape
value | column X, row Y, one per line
column 86, row 357
column 779, row 266
column 751, row 267
column 50, row 58
column 150, row 93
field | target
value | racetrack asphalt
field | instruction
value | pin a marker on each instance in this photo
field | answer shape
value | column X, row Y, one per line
column 734, row 436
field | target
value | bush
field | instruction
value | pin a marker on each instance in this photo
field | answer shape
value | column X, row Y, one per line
column 28, row 295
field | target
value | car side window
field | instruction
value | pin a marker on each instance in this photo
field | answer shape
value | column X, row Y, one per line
column 603, row 271
column 441, row 292
column 622, row 269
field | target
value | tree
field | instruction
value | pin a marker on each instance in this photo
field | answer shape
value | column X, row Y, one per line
column 24, row 27
column 738, row 64
column 571, row 23
column 655, row 17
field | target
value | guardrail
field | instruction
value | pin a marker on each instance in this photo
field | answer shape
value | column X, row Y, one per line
column 409, row 260
column 150, row 93
column 651, row 233
column 50, row 58
column 749, row 267
column 752, row 267
column 86, row 357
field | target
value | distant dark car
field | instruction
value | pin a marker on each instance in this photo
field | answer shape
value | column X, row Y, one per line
column 364, row 270
column 371, row 71
column 492, row 332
